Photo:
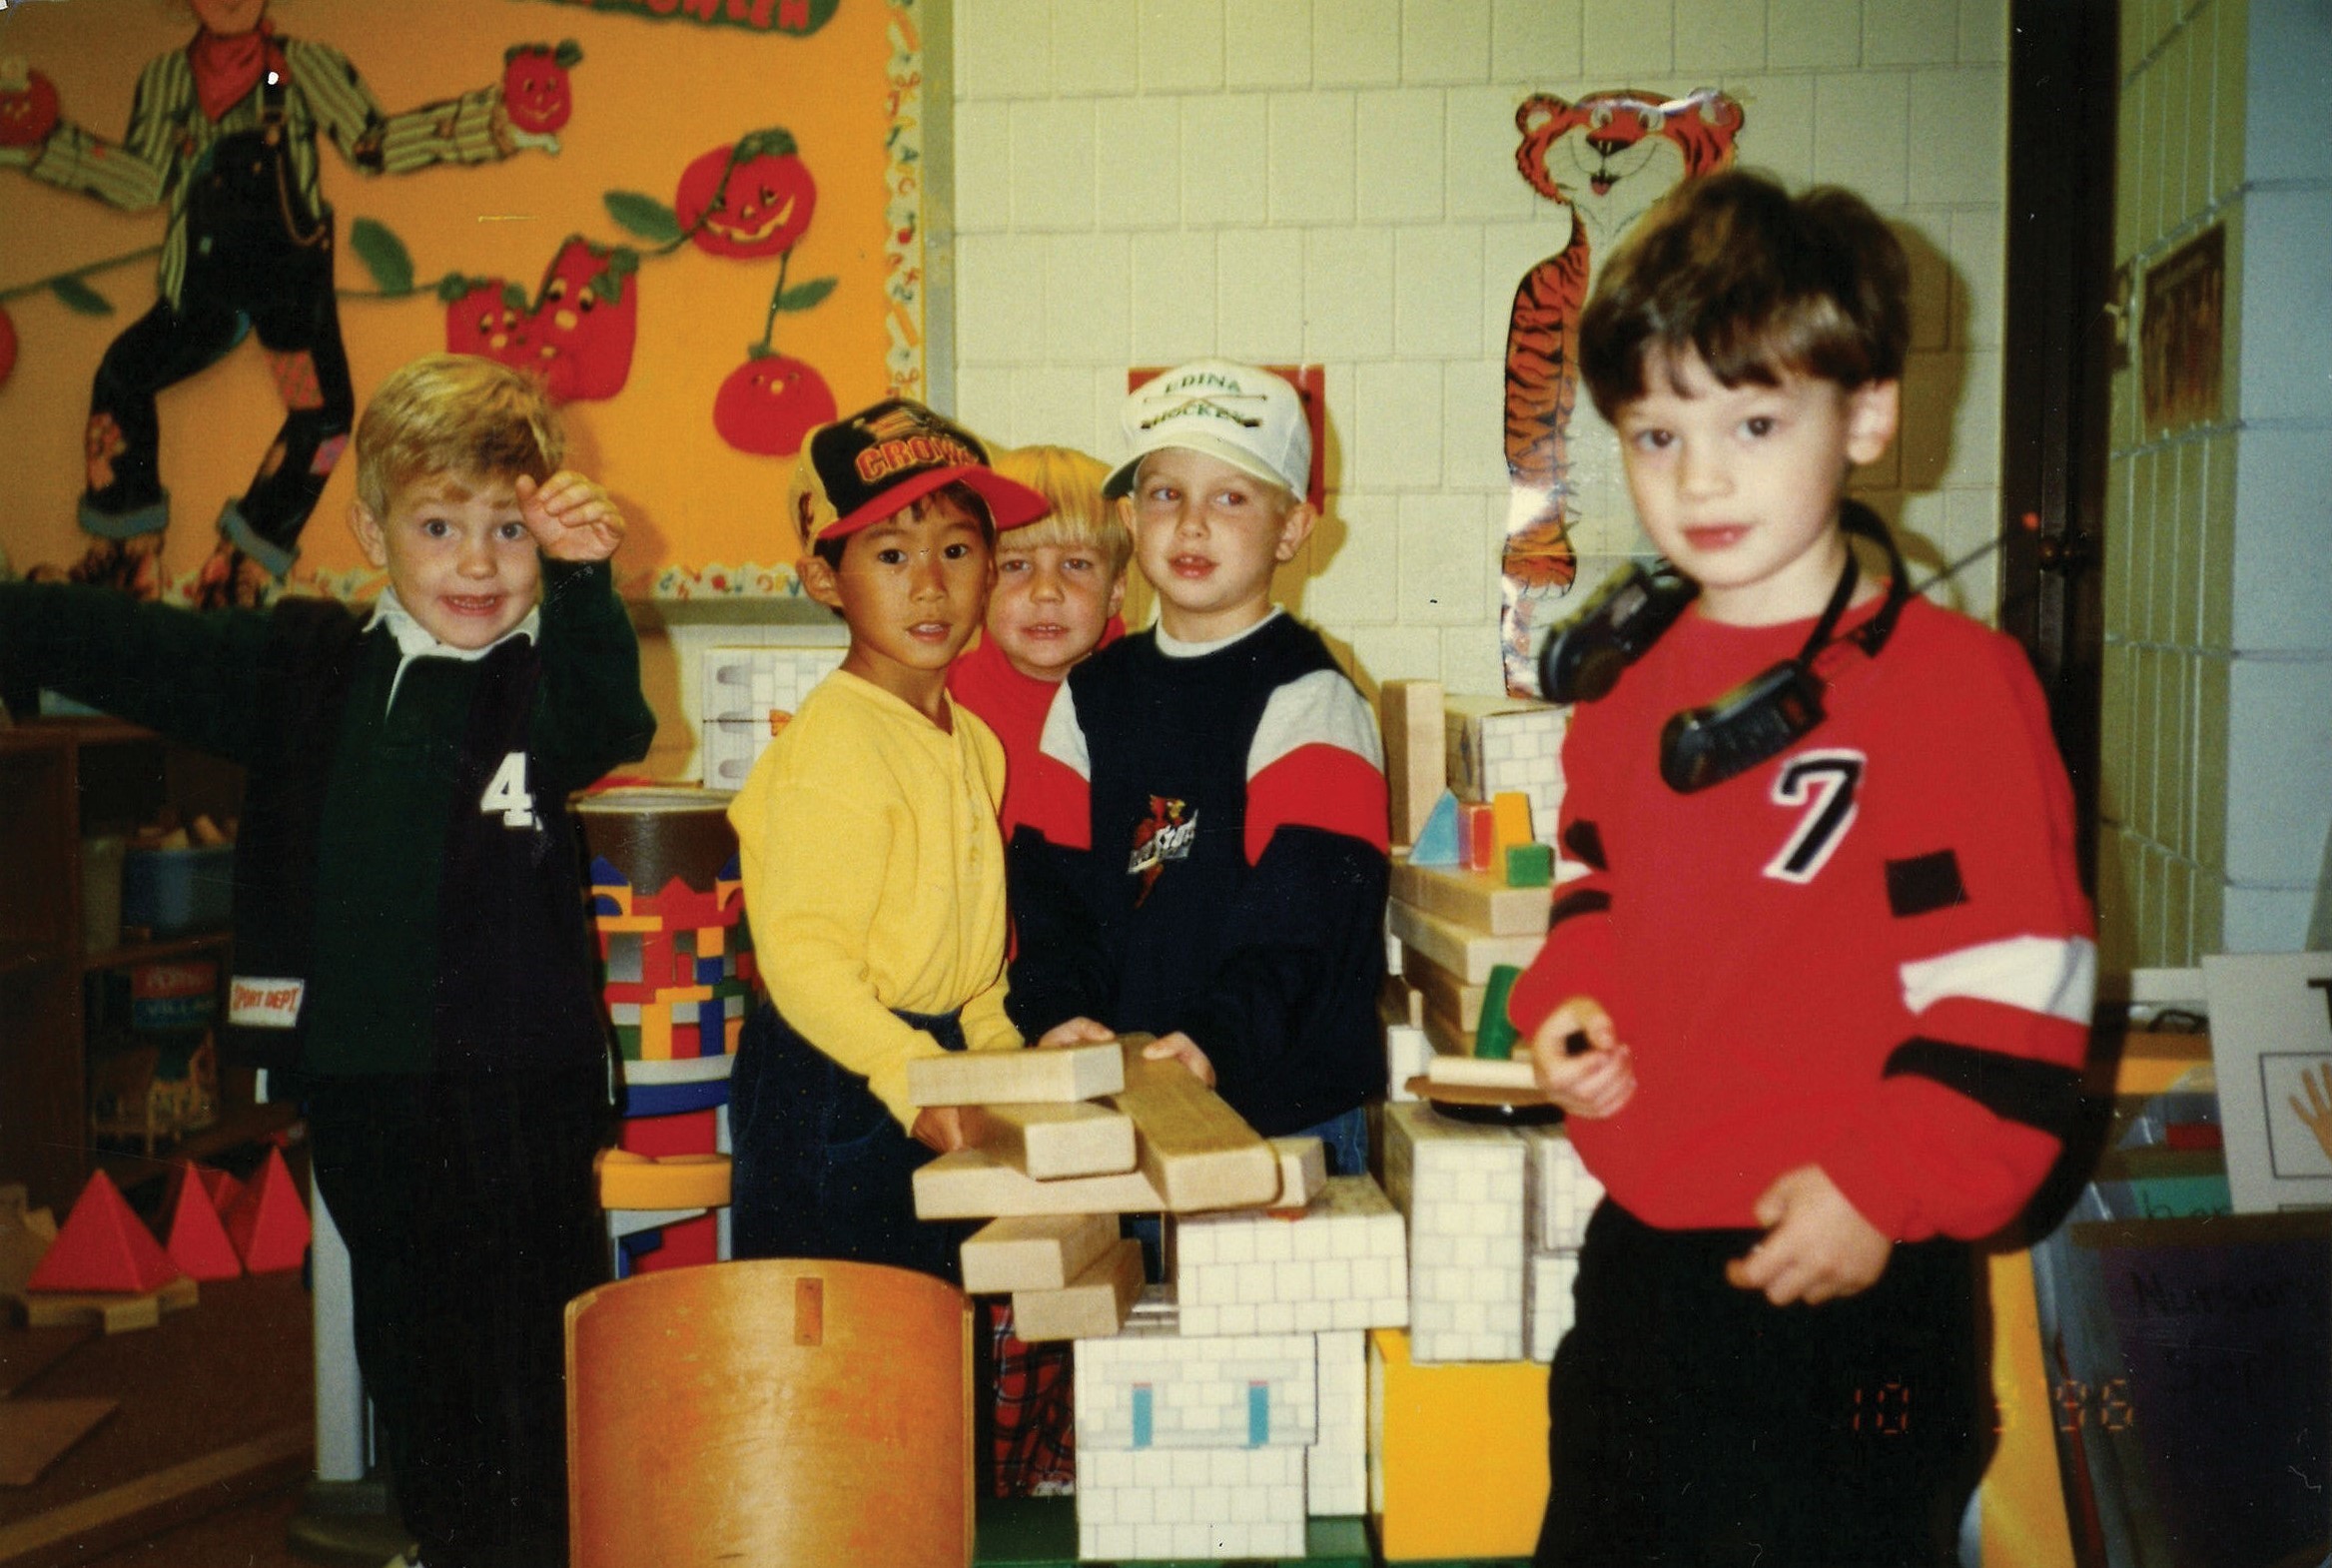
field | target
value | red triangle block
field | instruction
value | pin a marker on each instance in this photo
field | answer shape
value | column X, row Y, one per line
column 103, row 1247
column 223, row 1188
column 198, row 1240
column 269, row 1224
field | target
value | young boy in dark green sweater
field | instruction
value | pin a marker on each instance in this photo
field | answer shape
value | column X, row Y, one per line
column 411, row 952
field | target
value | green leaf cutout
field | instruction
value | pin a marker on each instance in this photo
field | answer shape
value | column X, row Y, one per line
column 382, row 253
column 78, row 295
column 804, row 295
column 644, row 216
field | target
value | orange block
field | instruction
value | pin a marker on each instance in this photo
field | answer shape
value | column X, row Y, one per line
column 1457, row 1454
column 197, row 1237
column 103, row 1247
column 269, row 1224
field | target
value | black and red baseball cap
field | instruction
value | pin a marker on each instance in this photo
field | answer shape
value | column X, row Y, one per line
column 883, row 459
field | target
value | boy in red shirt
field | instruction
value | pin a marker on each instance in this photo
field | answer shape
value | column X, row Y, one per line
column 1817, row 1006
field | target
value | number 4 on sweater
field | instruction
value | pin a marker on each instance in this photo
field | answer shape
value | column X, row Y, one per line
column 507, row 793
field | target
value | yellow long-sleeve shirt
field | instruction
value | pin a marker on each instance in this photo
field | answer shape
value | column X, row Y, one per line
column 873, row 879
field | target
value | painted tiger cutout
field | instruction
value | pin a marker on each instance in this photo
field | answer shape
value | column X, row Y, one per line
column 1609, row 158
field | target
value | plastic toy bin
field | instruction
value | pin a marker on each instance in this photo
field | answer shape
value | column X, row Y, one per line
column 172, row 891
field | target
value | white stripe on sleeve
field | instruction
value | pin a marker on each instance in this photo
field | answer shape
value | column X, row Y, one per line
column 1319, row 709
column 2055, row 976
column 1064, row 737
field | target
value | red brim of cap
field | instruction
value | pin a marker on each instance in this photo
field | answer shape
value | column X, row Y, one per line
column 1010, row 502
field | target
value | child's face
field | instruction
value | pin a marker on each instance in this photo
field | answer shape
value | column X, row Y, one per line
column 1051, row 605
column 458, row 553
column 912, row 586
column 1207, row 535
column 1738, row 486
column 229, row 17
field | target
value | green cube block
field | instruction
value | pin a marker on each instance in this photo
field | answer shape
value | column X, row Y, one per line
column 1530, row 865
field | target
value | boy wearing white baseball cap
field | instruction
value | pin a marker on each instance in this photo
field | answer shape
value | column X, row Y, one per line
column 1204, row 856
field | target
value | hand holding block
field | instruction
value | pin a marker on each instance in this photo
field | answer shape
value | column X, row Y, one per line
column 1030, row 1077
column 1035, row 1251
column 1094, row 1306
column 1196, row 1150
column 1052, row 1141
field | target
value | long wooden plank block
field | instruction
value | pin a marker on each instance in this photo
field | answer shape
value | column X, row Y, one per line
column 1034, row 1252
column 1196, row 1150
column 1410, row 719
column 1052, row 1141
column 1477, row 899
column 1470, row 955
column 1094, row 1306
column 980, row 1184
column 82, row 1530
column 1449, row 1040
column 1303, row 1170
column 1010, row 1078
column 1474, row 1072
column 1443, row 992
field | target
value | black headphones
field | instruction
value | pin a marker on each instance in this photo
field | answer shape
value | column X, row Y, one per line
column 1757, row 720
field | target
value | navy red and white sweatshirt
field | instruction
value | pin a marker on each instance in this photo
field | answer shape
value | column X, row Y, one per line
column 1871, row 954
column 1204, row 851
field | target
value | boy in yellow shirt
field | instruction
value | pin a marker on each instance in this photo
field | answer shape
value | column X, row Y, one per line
column 874, row 871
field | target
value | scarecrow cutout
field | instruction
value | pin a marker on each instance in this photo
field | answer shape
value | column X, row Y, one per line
column 224, row 130
column 1610, row 157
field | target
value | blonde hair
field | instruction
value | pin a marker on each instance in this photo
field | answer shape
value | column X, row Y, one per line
column 455, row 414
column 1070, row 483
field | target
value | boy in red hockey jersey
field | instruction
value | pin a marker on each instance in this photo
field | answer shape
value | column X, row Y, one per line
column 1817, row 1006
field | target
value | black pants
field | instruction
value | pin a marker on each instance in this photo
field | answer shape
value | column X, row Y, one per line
column 472, row 1220
column 821, row 1168
column 1696, row 1425
column 246, row 273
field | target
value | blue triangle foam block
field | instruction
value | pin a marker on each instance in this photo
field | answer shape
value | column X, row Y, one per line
column 1438, row 840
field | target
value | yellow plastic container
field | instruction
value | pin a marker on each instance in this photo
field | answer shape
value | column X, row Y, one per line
column 1457, row 1454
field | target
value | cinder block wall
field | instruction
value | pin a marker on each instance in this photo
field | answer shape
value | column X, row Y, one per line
column 1143, row 181
column 2217, row 721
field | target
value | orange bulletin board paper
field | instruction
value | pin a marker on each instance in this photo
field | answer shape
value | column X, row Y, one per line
column 658, row 86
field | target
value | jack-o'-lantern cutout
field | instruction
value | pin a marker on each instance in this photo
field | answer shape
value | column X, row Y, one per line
column 768, row 404
column 535, row 90
column 28, row 105
column 578, row 332
column 754, row 198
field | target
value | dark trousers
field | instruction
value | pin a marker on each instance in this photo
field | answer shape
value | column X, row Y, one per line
column 232, row 289
column 820, row 1166
column 472, row 1220
column 1696, row 1425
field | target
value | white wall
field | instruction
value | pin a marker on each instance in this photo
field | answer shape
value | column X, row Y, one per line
column 1138, row 182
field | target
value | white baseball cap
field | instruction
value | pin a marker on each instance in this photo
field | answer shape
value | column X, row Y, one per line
column 1247, row 417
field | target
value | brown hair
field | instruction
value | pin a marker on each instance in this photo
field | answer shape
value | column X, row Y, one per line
column 1070, row 483
column 1731, row 268
column 455, row 414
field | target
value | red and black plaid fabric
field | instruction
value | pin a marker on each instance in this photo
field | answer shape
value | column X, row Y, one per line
column 1030, row 1447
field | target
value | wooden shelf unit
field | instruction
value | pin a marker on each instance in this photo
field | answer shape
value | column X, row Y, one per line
column 61, row 781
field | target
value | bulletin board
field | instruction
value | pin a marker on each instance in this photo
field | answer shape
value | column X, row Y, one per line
column 743, row 323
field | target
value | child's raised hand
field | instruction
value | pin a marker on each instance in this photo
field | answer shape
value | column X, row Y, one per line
column 1077, row 1032
column 941, row 1128
column 1181, row 1047
column 571, row 516
column 1817, row 1245
column 1594, row 1083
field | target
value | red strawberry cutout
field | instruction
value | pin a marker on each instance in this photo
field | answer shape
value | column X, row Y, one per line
column 536, row 92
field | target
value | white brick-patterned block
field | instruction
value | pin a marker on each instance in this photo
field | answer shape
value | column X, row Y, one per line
column 1551, row 1278
column 1148, row 1387
column 1561, row 1193
column 1407, row 1054
column 1461, row 1185
column 1335, row 1467
column 1342, row 1264
column 741, row 688
column 1497, row 745
column 1198, row 1504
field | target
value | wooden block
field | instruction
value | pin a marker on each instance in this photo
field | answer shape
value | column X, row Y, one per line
column 1409, row 714
column 113, row 1314
column 1468, row 954
column 1443, row 992
column 1449, row 1040
column 1034, row 1252
column 1400, row 1002
column 978, row 1184
column 1196, row 1150
column 1052, row 1141
column 630, row 1181
column 1475, row 1073
column 1510, row 810
column 1303, row 1170
column 33, row 1432
column 1094, row 1306
column 1015, row 1077
column 1476, row 899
